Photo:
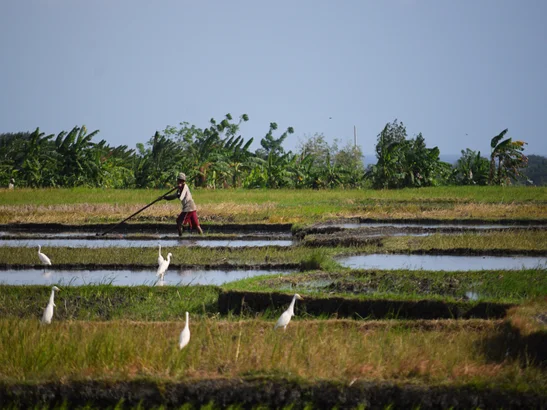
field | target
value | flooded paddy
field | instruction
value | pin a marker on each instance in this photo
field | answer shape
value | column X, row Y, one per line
column 127, row 277
column 442, row 262
column 124, row 242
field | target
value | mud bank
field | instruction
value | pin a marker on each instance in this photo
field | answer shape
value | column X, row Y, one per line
column 255, row 302
column 265, row 392
column 99, row 229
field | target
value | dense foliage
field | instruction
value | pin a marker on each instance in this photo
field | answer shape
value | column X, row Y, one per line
column 219, row 157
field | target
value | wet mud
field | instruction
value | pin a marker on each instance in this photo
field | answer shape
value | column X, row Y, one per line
column 266, row 392
column 155, row 228
column 239, row 302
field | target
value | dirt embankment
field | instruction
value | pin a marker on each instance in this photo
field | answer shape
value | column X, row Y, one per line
column 265, row 392
column 253, row 302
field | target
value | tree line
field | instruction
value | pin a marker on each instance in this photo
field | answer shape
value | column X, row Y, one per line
column 219, row 157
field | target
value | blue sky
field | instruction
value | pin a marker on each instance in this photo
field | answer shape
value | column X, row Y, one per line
column 457, row 71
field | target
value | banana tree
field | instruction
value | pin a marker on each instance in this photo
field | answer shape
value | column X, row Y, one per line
column 36, row 159
column 509, row 156
column 76, row 166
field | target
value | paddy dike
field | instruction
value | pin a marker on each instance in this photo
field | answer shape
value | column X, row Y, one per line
column 265, row 392
column 252, row 303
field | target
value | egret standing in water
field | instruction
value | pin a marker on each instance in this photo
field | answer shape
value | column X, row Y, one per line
column 48, row 311
column 285, row 317
column 43, row 257
column 163, row 266
column 184, row 337
column 160, row 257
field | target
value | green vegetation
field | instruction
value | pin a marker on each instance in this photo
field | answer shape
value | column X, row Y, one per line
column 107, row 302
column 518, row 240
column 488, row 285
column 344, row 350
column 80, row 206
column 110, row 334
column 219, row 157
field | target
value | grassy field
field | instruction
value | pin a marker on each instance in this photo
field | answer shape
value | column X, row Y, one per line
column 275, row 206
column 457, row 352
column 106, row 333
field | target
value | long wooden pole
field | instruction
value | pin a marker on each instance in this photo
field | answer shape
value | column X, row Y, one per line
column 139, row 211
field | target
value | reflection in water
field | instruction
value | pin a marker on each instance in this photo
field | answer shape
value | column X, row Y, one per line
column 128, row 277
column 443, row 262
column 140, row 243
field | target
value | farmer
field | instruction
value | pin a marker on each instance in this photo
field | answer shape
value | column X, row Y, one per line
column 189, row 215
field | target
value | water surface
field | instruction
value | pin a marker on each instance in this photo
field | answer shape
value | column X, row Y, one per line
column 127, row 277
column 443, row 262
column 139, row 243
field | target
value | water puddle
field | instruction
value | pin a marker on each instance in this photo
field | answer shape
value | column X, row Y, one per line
column 140, row 243
column 127, row 277
column 443, row 262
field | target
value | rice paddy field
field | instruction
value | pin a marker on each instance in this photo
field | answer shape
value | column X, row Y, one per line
column 445, row 335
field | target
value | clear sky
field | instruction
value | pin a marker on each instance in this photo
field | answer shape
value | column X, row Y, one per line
column 459, row 71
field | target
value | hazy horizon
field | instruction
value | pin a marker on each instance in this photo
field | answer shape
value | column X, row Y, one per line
column 458, row 72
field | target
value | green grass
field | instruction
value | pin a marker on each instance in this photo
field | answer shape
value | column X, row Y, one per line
column 525, row 240
column 81, row 205
column 193, row 256
column 493, row 286
column 337, row 350
column 106, row 302
column 283, row 197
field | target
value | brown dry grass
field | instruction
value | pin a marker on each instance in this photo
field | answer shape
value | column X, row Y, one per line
column 266, row 212
column 529, row 317
column 311, row 350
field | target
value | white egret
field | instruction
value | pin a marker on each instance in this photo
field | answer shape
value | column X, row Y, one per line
column 160, row 257
column 184, row 337
column 43, row 257
column 48, row 311
column 163, row 267
column 285, row 317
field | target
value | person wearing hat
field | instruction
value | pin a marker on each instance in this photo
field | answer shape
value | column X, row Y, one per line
column 189, row 215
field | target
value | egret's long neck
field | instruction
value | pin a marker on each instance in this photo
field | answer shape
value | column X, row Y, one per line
column 291, row 306
column 186, row 325
column 52, row 296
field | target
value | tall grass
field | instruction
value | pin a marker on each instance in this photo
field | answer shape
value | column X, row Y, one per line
column 274, row 206
column 308, row 349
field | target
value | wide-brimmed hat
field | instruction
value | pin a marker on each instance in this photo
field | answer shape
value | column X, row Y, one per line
column 182, row 176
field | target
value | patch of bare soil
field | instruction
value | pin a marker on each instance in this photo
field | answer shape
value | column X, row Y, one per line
column 267, row 392
column 124, row 228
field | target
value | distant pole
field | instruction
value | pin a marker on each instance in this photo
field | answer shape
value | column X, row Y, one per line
column 354, row 136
